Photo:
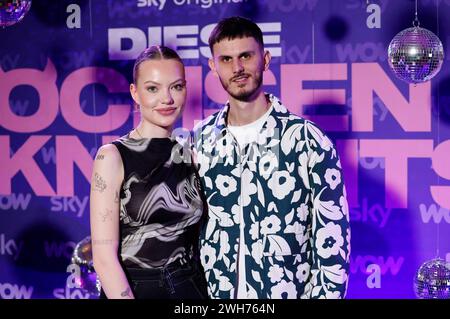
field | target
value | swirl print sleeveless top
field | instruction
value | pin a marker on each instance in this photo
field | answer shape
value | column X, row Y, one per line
column 160, row 203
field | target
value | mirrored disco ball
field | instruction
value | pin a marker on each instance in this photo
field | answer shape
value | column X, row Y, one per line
column 432, row 280
column 82, row 254
column 12, row 11
column 415, row 55
column 87, row 279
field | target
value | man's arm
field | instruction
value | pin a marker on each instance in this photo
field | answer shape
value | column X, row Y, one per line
column 330, row 228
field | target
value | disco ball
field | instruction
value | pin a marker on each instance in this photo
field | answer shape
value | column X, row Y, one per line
column 12, row 11
column 415, row 55
column 432, row 280
column 86, row 278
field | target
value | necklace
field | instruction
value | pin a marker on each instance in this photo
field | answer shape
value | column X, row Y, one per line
column 137, row 131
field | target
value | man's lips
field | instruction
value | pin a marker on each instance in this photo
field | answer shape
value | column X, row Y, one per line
column 241, row 78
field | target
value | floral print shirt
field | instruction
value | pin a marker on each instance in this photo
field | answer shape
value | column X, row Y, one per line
column 290, row 188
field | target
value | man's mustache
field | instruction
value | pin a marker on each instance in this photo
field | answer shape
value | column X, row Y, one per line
column 239, row 76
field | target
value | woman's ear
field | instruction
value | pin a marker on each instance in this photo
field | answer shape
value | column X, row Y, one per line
column 134, row 94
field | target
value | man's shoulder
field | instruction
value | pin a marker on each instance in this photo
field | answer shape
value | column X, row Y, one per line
column 305, row 130
column 206, row 123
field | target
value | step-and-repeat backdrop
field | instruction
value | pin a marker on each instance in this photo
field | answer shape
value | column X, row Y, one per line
column 64, row 91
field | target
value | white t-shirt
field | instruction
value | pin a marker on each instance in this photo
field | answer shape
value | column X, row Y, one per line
column 244, row 135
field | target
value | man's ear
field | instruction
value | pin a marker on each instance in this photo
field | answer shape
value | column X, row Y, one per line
column 267, row 58
column 212, row 66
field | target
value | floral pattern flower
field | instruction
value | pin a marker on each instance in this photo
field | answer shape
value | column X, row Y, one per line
column 225, row 184
column 329, row 240
column 284, row 290
column 333, row 177
column 276, row 273
column 303, row 272
column 281, row 183
column 270, row 225
column 303, row 212
column 208, row 256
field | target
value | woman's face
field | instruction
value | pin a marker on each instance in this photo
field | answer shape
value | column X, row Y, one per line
column 160, row 91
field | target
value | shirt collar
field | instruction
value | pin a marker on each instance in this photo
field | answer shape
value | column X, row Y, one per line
column 279, row 110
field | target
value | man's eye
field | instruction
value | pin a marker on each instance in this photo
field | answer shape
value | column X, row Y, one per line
column 226, row 59
column 245, row 56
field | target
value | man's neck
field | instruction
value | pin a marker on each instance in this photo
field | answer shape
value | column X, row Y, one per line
column 246, row 112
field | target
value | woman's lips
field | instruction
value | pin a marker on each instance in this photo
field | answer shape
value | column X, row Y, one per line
column 166, row 111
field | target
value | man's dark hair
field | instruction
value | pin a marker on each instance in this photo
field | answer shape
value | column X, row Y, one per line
column 235, row 27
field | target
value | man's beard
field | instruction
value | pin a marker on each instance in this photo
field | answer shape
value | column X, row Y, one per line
column 243, row 94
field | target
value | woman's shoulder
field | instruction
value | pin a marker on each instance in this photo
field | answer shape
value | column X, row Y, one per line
column 108, row 152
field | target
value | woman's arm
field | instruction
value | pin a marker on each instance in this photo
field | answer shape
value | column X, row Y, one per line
column 107, row 177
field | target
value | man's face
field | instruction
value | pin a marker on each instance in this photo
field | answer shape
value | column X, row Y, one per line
column 239, row 64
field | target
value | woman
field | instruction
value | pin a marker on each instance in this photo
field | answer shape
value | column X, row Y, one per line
column 145, row 205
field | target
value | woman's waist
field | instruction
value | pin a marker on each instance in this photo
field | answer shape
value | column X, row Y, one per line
column 178, row 267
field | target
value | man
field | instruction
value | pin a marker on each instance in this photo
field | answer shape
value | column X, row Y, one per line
column 277, row 211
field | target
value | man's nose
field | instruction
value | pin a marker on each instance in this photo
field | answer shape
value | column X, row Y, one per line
column 237, row 66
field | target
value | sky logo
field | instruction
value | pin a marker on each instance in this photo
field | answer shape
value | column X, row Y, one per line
column 72, row 204
column 10, row 247
column 68, row 293
column 376, row 214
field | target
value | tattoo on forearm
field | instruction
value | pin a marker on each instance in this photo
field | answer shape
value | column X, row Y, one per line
column 126, row 293
column 100, row 157
column 106, row 215
column 99, row 183
column 116, row 197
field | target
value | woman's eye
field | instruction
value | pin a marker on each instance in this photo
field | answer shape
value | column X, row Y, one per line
column 152, row 89
column 179, row 87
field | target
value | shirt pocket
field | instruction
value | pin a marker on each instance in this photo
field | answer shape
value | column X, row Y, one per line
column 291, row 241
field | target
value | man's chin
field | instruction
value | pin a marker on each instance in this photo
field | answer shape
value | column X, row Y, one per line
column 243, row 95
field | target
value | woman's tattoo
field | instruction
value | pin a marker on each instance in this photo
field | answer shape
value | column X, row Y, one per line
column 126, row 293
column 106, row 215
column 99, row 183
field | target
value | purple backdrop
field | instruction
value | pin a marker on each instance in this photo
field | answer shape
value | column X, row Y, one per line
column 65, row 71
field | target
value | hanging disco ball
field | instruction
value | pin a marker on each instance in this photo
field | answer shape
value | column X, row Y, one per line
column 87, row 279
column 12, row 11
column 415, row 55
column 432, row 280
